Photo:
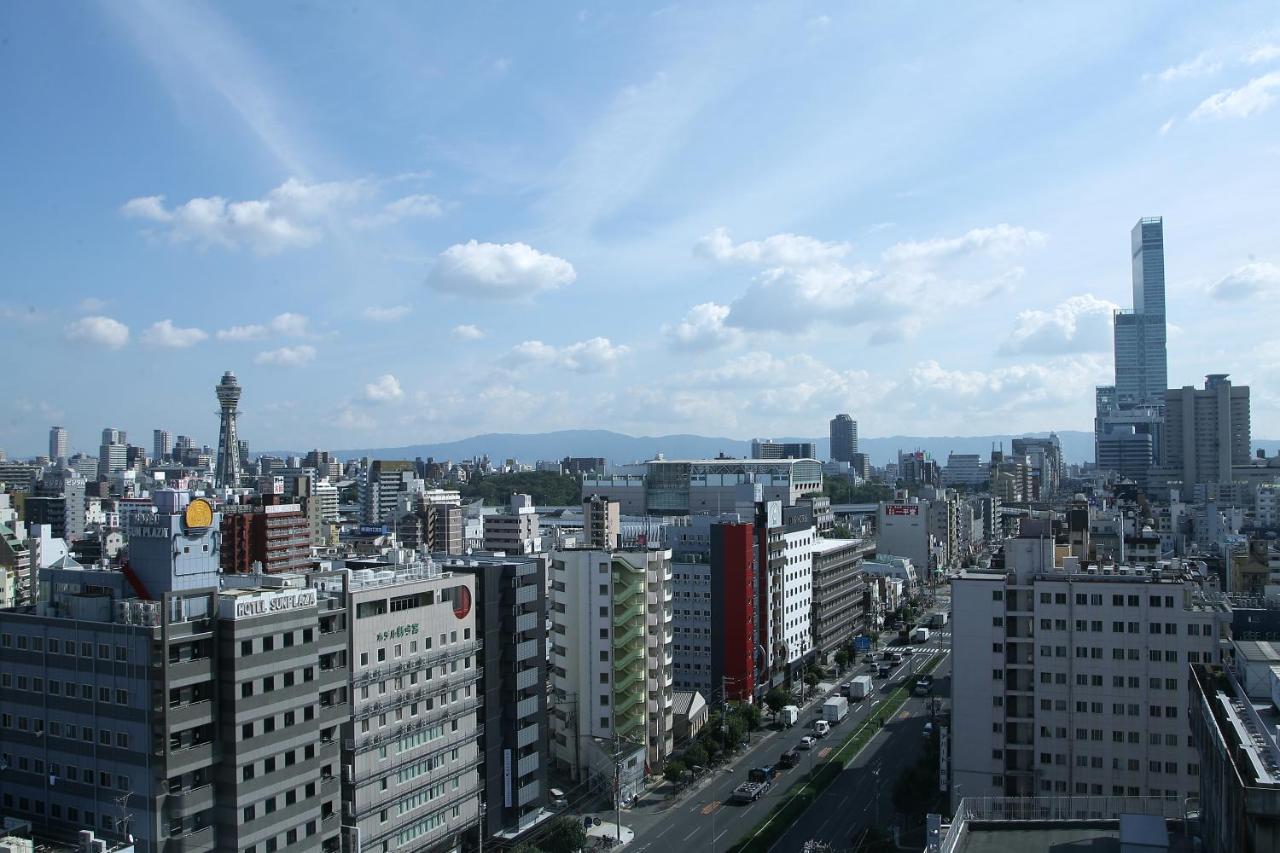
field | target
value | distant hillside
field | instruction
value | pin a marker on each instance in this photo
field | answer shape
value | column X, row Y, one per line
column 618, row 448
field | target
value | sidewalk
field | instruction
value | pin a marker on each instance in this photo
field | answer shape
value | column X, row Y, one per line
column 609, row 829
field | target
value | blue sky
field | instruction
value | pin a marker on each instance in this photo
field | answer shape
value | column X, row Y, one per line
column 417, row 222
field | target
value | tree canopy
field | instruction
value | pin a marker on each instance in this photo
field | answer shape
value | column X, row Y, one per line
column 545, row 487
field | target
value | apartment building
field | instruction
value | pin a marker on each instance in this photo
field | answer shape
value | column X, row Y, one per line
column 410, row 757
column 1071, row 679
column 839, row 592
column 611, row 664
column 511, row 622
column 688, row 487
column 515, row 531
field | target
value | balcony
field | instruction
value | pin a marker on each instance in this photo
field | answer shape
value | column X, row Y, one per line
column 186, row 716
column 528, row 793
column 527, row 594
column 526, row 650
column 526, row 707
column 527, row 736
column 526, row 622
column 190, row 801
column 527, row 765
column 192, row 842
column 189, row 759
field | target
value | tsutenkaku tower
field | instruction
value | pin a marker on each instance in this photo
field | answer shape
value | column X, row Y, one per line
column 228, row 471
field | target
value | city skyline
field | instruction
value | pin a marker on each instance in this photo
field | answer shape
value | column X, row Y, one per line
column 466, row 237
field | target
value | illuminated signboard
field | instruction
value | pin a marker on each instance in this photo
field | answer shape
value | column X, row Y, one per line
column 902, row 509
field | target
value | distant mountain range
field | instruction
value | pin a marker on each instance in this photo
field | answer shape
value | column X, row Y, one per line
column 1077, row 446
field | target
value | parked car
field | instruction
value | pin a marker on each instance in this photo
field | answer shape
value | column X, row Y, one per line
column 807, row 742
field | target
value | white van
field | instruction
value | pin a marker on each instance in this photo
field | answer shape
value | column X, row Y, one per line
column 821, row 728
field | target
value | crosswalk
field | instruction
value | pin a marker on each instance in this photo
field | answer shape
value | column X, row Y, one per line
column 939, row 641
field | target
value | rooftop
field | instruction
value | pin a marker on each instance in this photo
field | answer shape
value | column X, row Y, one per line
column 1065, row 824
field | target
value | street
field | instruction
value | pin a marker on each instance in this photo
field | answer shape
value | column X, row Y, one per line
column 690, row 820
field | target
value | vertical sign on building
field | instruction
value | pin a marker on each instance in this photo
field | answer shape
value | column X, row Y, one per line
column 506, row 778
column 944, row 755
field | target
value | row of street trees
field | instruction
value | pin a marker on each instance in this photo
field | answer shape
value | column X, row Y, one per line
column 725, row 729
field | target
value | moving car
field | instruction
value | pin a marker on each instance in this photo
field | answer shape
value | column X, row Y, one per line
column 790, row 758
column 807, row 742
column 749, row 792
column 822, row 728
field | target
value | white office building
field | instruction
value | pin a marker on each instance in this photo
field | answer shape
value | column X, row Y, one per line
column 1071, row 680
column 611, row 664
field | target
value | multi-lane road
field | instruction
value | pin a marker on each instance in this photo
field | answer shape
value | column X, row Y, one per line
column 704, row 819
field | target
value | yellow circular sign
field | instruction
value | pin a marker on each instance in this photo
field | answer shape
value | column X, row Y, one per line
column 199, row 514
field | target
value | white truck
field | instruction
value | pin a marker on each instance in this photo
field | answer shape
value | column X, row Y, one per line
column 938, row 620
column 920, row 635
column 790, row 715
column 835, row 709
column 860, row 687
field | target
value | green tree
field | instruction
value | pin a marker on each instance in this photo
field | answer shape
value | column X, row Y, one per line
column 564, row 835
column 712, row 744
column 811, row 679
column 751, row 715
column 843, row 658
column 674, row 771
column 777, row 699
column 545, row 487
column 525, row 847
column 735, row 730
column 696, row 755
column 840, row 531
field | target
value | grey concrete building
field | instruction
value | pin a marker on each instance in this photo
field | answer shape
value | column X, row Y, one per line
column 410, row 757
column 511, row 622
column 839, row 592
column 1206, row 432
column 145, row 702
column 844, row 438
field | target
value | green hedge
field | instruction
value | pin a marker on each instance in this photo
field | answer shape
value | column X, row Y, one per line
column 780, row 818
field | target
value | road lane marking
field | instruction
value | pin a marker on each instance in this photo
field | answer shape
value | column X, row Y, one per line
column 691, row 835
column 822, row 753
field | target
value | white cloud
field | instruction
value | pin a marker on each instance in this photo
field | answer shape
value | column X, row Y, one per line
column 287, row 324
column 1201, row 66
column 499, row 270
column 165, row 334
column 91, row 305
column 1010, row 390
column 468, row 332
column 102, row 331
column 294, row 215
column 418, row 206
column 1251, row 98
column 997, row 241
column 384, row 389
column 290, row 324
column 595, row 355
column 1167, row 126
column 702, row 328
column 287, row 356
column 779, row 250
column 388, row 314
column 1263, row 53
column 350, row 418
column 1250, row 281
column 1079, row 324
column 251, row 332
column 794, row 300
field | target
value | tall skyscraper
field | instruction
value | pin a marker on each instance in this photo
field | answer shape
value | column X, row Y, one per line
column 57, row 443
column 1142, row 368
column 227, row 472
column 1207, row 432
column 844, row 438
column 162, row 444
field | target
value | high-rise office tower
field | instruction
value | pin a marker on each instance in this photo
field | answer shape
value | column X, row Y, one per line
column 228, row 471
column 1207, row 432
column 1142, row 369
column 57, row 443
column 162, row 444
column 844, row 438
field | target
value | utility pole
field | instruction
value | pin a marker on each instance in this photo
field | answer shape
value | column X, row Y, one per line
column 617, row 788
